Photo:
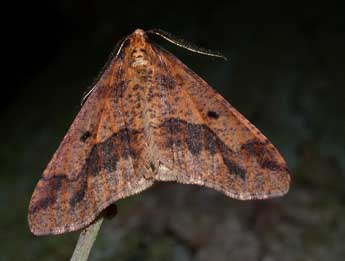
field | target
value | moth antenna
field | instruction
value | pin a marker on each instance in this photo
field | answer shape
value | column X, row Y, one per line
column 115, row 52
column 186, row 45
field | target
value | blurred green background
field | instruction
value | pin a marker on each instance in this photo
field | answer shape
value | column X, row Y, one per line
column 286, row 74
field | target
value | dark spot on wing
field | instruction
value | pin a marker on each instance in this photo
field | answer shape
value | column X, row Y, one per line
column 85, row 136
column 213, row 114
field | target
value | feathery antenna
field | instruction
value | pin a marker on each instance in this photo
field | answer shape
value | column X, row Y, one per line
column 186, row 45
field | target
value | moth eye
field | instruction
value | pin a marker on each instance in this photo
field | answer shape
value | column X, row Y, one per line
column 85, row 136
column 213, row 114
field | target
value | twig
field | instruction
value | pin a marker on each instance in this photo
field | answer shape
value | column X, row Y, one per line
column 85, row 242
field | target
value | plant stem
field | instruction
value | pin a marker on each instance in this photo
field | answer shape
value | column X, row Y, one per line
column 85, row 242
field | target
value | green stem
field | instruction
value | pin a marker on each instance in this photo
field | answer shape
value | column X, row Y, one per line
column 85, row 242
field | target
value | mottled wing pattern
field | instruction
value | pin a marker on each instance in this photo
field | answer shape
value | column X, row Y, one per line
column 96, row 163
column 203, row 140
column 150, row 118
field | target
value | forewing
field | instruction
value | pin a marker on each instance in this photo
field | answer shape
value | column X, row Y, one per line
column 95, row 164
column 205, row 141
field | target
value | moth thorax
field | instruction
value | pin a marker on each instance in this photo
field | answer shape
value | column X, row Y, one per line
column 139, row 57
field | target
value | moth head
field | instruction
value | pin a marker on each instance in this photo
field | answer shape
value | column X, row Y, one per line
column 137, row 48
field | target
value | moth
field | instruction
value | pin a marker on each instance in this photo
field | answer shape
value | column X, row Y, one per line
column 149, row 118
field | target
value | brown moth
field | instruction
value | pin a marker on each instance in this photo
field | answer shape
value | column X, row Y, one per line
column 149, row 118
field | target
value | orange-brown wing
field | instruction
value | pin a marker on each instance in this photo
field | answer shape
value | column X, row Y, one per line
column 96, row 163
column 204, row 140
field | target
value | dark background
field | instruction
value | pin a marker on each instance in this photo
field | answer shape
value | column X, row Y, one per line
column 285, row 74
